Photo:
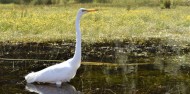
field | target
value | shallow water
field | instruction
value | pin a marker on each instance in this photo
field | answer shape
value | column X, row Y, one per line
column 161, row 75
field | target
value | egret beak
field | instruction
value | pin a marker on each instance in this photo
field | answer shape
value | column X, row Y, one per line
column 90, row 10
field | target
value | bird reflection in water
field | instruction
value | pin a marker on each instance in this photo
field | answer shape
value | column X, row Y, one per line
column 52, row 89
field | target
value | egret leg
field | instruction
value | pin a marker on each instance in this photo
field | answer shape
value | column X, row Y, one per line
column 58, row 83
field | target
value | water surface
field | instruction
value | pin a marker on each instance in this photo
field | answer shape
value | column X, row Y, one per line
column 160, row 75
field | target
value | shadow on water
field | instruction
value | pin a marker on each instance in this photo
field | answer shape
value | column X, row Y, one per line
column 164, row 75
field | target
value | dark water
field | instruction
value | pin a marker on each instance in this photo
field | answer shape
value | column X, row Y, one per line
column 161, row 75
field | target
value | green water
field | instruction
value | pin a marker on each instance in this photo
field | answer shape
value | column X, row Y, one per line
column 161, row 75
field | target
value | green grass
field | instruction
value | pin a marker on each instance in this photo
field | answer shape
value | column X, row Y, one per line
column 20, row 23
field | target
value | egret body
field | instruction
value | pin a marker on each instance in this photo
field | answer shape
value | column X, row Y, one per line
column 65, row 71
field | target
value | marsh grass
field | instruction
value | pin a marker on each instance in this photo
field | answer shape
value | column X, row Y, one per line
column 20, row 23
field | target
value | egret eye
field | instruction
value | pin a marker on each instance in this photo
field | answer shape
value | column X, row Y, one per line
column 83, row 10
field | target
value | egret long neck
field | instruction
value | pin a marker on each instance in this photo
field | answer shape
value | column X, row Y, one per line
column 77, row 54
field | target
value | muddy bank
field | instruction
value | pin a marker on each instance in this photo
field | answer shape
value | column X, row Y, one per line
column 99, row 52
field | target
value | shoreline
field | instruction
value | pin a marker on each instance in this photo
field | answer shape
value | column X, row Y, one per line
column 94, row 52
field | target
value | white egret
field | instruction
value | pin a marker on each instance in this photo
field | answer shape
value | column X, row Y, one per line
column 64, row 71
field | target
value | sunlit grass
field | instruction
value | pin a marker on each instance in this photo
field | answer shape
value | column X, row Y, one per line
column 56, row 23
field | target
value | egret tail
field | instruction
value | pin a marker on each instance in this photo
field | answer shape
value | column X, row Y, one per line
column 30, row 78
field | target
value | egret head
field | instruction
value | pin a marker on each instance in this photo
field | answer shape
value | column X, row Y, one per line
column 83, row 10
